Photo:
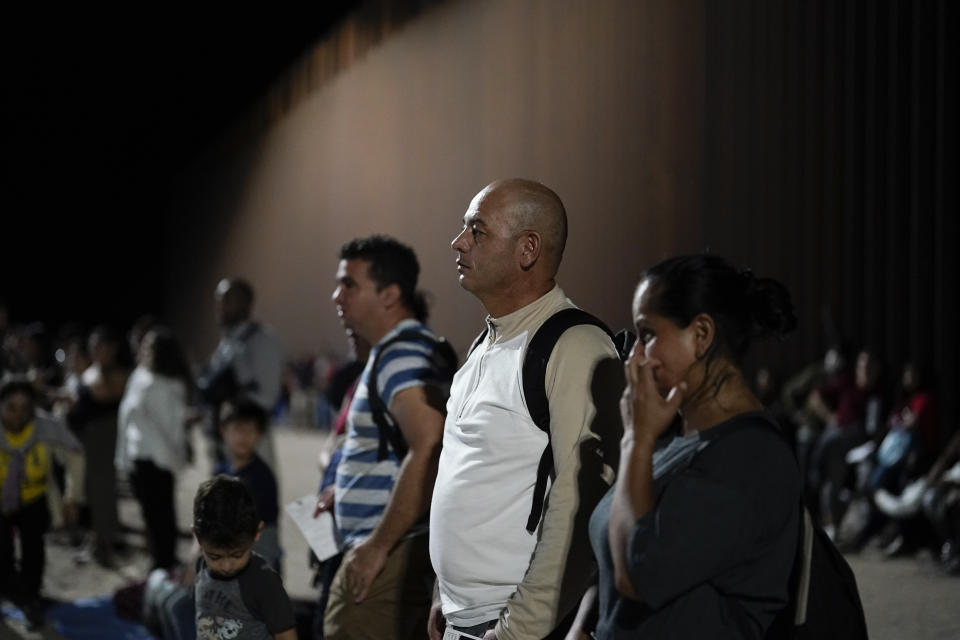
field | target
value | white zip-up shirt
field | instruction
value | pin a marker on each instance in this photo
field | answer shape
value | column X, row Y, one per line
column 487, row 564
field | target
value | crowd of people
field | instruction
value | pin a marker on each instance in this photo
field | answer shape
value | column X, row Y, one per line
column 874, row 463
column 559, row 482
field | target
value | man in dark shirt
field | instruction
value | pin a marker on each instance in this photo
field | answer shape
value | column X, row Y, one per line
column 242, row 424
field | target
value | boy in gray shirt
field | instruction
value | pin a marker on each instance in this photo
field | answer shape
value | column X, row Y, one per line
column 238, row 596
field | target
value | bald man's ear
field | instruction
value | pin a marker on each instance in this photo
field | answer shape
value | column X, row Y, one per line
column 531, row 244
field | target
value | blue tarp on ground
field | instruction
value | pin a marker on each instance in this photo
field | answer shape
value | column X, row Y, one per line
column 88, row 619
column 93, row 619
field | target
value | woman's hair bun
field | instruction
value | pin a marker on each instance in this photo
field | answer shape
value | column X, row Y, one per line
column 769, row 304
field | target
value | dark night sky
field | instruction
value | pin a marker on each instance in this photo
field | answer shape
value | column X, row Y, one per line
column 100, row 114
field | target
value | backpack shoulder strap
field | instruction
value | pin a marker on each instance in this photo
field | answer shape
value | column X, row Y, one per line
column 538, row 355
column 248, row 331
column 534, row 374
column 443, row 359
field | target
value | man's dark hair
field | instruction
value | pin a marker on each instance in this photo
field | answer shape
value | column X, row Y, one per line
column 244, row 409
column 121, row 348
column 391, row 262
column 17, row 383
column 224, row 513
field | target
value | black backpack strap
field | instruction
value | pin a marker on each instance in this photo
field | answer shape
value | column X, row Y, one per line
column 535, row 394
column 443, row 360
column 248, row 331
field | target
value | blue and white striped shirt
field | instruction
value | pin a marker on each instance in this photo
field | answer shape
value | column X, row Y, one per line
column 363, row 484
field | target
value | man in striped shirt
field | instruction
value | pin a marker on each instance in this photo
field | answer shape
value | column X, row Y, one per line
column 383, row 588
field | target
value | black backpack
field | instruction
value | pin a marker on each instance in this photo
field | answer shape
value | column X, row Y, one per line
column 824, row 602
column 534, row 391
column 443, row 361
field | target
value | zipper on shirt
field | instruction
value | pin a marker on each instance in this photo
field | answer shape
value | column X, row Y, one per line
column 476, row 385
column 491, row 336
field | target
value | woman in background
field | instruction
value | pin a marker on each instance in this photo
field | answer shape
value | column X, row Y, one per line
column 151, row 441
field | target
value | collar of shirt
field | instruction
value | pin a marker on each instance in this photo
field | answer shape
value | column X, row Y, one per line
column 510, row 325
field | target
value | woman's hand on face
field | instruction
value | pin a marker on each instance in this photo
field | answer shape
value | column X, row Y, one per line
column 646, row 414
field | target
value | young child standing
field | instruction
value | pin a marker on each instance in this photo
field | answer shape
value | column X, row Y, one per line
column 237, row 595
column 242, row 425
column 27, row 445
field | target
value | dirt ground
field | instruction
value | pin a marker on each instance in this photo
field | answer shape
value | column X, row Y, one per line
column 904, row 598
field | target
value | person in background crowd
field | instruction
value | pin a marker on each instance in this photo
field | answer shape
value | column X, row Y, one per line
column 844, row 404
column 29, row 440
column 243, row 423
column 93, row 417
column 248, row 361
column 340, row 390
column 151, row 437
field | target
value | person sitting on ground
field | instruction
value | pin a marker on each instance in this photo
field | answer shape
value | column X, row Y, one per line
column 907, row 446
column 237, row 594
column 29, row 440
column 846, row 421
column 941, row 504
column 801, row 403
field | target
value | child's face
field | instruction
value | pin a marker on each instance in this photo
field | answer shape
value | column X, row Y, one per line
column 16, row 411
column 226, row 562
column 241, row 438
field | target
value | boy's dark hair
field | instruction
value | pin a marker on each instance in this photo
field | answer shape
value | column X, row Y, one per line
column 241, row 410
column 17, row 383
column 224, row 513
column 391, row 262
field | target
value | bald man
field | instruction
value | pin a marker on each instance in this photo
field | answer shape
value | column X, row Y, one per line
column 496, row 578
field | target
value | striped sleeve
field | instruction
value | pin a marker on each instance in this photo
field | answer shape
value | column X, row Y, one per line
column 404, row 365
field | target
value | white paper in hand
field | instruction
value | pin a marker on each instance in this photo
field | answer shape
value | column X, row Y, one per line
column 320, row 532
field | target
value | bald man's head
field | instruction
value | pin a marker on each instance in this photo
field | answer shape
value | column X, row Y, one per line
column 531, row 206
column 234, row 299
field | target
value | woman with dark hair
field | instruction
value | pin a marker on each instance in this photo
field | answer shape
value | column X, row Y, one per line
column 151, row 440
column 698, row 536
column 93, row 417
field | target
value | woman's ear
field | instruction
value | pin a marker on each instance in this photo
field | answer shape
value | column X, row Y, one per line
column 259, row 531
column 704, row 331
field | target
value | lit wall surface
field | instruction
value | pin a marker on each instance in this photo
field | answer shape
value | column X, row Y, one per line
column 601, row 101
column 815, row 142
